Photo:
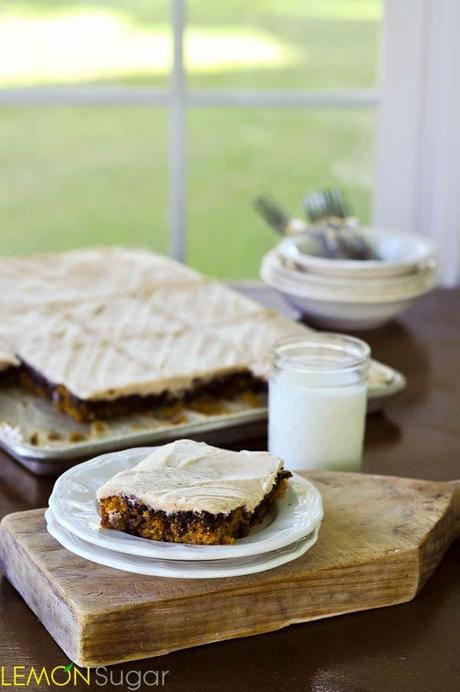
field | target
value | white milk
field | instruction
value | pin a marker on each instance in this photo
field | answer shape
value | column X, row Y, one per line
column 317, row 419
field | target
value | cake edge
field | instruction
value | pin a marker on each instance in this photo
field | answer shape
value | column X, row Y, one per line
column 87, row 410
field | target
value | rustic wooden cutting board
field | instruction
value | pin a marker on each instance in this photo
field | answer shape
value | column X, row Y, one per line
column 381, row 539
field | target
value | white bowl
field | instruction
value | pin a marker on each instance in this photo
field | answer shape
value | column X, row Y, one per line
column 401, row 253
column 339, row 309
column 354, row 316
column 364, row 289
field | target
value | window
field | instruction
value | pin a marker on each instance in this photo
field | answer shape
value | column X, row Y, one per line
column 111, row 108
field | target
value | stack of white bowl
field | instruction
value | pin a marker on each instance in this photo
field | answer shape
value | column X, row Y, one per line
column 352, row 294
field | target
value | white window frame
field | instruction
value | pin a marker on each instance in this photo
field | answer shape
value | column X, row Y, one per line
column 418, row 142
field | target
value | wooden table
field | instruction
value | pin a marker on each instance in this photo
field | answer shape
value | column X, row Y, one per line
column 408, row 647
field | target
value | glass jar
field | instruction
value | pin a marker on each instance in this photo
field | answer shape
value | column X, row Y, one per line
column 317, row 401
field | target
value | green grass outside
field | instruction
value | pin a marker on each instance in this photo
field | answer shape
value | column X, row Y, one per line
column 83, row 176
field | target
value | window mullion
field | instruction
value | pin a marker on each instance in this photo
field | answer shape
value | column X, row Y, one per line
column 177, row 136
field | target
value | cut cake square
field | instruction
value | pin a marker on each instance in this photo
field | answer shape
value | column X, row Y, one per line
column 190, row 492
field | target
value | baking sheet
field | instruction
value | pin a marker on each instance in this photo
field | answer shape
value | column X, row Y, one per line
column 47, row 442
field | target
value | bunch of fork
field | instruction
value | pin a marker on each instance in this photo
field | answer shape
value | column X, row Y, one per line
column 330, row 221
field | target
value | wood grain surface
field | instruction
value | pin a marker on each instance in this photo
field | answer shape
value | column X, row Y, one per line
column 381, row 539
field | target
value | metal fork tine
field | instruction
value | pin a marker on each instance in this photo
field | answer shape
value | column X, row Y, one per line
column 271, row 212
column 320, row 204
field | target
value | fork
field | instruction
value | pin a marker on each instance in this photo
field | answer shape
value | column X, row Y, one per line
column 277, row 218
column 330, row 207
column 284, row 224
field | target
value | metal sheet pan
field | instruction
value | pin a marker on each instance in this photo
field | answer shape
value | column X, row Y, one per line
column 47, row 442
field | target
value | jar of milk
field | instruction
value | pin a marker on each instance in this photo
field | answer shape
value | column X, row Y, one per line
column 317, row 401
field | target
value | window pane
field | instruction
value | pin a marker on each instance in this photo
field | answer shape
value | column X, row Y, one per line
column 83, row 176
column 59, row 42
column 311, row 44
column 235, row 155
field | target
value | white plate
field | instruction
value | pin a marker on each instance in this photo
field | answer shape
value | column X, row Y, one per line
column 73, row 502
column 178, row 569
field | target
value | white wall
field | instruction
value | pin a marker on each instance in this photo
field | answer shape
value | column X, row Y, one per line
column 418, row 149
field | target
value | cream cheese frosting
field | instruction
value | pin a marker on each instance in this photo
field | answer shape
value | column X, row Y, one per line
column 7, row 357
column 193, row 476
column 80, row 275
column 95, row 367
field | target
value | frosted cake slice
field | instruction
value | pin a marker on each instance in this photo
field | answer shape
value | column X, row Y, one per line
column 190, row 492
column 90, row 377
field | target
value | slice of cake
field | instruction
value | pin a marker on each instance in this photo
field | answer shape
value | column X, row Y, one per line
column 190, row 492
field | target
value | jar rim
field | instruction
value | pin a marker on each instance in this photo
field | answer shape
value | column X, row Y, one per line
column 345, row 352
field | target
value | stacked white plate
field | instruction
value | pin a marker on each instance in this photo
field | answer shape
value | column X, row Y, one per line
column 356, row 294
column 72, row 519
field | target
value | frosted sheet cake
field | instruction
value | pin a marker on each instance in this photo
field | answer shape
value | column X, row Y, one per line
column 109, row 331
column 190, row 492
column 8, row 361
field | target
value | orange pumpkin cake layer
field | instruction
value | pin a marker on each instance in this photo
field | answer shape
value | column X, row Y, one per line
column 190, row 492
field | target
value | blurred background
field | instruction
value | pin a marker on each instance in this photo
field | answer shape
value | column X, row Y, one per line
column 104, row 118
